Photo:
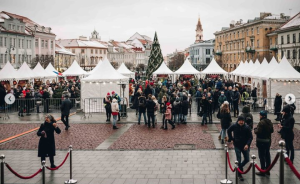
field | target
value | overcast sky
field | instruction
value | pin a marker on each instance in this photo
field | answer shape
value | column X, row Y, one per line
column 174, row 20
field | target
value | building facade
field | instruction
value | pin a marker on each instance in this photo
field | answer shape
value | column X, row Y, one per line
column 245, row 41
column 63, row 58
column 201, row 52
column 16, row 41
column 286, row 41
column 44, row 41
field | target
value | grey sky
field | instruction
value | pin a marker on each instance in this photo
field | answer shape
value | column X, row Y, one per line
column 174, row 20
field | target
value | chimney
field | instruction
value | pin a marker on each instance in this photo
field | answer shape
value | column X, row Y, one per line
column 83, row 38
column 49, row 29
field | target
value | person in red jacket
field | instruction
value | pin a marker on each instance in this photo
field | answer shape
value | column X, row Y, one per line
column 168, row 117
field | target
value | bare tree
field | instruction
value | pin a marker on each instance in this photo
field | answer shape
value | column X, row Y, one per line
column 128, row 65
column 176, row 61
column 114, row 64
column 140, row 67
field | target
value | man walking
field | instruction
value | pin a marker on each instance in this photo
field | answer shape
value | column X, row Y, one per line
column 236, row 101
column 263, row 133
column 242, row 138
column 65, row 111
column 150, row 105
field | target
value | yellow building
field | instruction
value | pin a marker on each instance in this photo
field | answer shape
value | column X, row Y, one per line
column 245, row 41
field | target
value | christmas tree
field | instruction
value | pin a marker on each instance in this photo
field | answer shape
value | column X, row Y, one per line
column 155, row 58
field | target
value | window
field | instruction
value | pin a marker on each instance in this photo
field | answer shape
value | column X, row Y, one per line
column 43, row 43
column 1, row 41
column 14, row 44
column 22, row 44
column 282, row 40
column 207, row 60
column 5, row 42
column 19, row 58
column 1, row 58
column 18, row 28
column 238, row 45
column 29, row 58
column 104, row 52
column 288, row 54
column 36, row 43
column 276, row 41
column 51, row 45
column 243, row 45
column 46, row 44
column 234, row 57
column 257, row 44
column 270, row 41
column 252, row 31
column 5, row 57
column 294, row 54
column 207, row 51
column 294, row 38
column 257, row 30
column 288, row 38
column 282, row 53
column 29, row 44
column 9, row 26
column 238, row 34
column 73, row 51
column 82, row 51
column 96, row 51
column 92, row 51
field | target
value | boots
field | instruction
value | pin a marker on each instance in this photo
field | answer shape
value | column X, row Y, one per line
column 222, row 141
column 219, row 137
column 226, row 139
column 115, row 127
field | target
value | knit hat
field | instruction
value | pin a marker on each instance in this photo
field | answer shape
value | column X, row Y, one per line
column 263, row 113
column 286, row 109
column 113, row 92
column 151, row 84
column 108, row 94
column 241, row 118
column 168, row 103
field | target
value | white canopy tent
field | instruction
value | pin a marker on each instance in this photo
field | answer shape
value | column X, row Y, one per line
column 272, row 65
column 188, row 69
column 240, row 67
column 252, row 68
column 263, row 67
column 51, row 70
column 40, row 73
column 243, row 68
column 95, row 87
column 7, row 73
column 75, row 70
column 125, row 71
column 24, row 73
column 163, row 69
column 214, row 68
column 97, row 66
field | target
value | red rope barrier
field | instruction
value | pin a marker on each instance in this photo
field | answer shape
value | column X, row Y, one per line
column 233, row 170
column 242, row 172
column 292, row 167
column 53, row 169
column 270, row 166
column 22, row 177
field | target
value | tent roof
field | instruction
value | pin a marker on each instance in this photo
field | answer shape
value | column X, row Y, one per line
column 214, row 68
column 262, row 67
column 74, row 70
column 245, row 68
column 97, row 66
column 50, row 69
column 40, row 72
column 253, row 67
column 8, row 72
column 105, row 73
column 284, row 71
column 24, row 72
column 187, row 68
column 271, row 66
column 241, row 65
column 163, row 69
column 124, row 70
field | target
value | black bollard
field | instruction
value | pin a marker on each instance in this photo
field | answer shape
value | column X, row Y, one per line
column 225, row 181
column 2, row 157
column 253, row 168
column 71, row 180
column 281, row 166
column 236, row 172
column 43, row 171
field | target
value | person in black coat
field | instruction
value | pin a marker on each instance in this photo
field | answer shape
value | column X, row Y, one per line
column 225, row 121
column 65, row 111
column 142, row 108
column 46, row 146
column 150, row 105
column 46, row 96
column 287, row 133
column 204, row 109
column 137, row 94
column 107, row 104
column 185, row 108
column 277, row 106
column 148, row 91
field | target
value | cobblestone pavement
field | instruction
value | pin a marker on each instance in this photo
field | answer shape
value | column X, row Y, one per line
column 139, row 167
column 141, row 137
column 275, row 138
column 8, row 130
column 81, row 136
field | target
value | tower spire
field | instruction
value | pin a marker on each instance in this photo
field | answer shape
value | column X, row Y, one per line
column 199, row 31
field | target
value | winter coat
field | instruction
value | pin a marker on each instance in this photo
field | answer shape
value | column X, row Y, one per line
column 236, row 96
column 65, row 107
column 142, row 109
column 229, row 95
column 242, row 135
column 136, row 100
column 277, row 104
column 247, row 116
column 185, row 106
column 264, row 131
column 222, row 99
column 157, row 107
column 176, row 107
column 114, row 107
column 150, row 105
column 2, row 95
column 287, row 122
column 107, row 103
column 225, row 120
column 148, row 91
column 204, row 105
column 168, row 114
column 245, row 96
column 47, row 143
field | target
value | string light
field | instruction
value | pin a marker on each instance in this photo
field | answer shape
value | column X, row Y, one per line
column 104, row 83
column 110, row 82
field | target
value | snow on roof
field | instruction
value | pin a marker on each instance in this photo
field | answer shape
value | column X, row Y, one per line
column 74, row 70
column 295, row 21
column 187, row 68
column 62, row 50
column 3, row 15
column 105, row 73
column 8, row 72
column 213, row 68
column 273, row 17
column 82, row 43
column 163, row 69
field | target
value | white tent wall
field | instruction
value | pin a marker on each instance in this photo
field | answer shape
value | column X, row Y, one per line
column 92, row 95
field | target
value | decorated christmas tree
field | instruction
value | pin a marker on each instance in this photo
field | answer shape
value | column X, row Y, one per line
column 155, row 58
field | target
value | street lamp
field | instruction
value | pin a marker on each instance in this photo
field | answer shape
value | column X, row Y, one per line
column 8, row 51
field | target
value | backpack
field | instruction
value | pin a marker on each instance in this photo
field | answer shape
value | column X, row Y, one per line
column 249, row 121
column 142, row 102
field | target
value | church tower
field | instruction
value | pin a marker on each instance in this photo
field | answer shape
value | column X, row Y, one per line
column 95, row 36
column 199, row 32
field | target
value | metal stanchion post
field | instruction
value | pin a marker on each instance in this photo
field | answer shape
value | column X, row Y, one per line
column 2, row 157
column 225, row 181
column 253, row 168
column 236, row 172
column 43, row 171
column 281, row 167
column 71, row 180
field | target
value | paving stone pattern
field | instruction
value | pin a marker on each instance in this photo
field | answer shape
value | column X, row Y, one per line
column 139, row 167
column 81, row 136
column 141, row 137
column 8, row 130
column 275, row 138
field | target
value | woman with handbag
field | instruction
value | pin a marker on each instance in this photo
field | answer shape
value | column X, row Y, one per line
column 107, row 104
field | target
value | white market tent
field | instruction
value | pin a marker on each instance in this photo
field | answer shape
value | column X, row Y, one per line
column 50, row 69
column 8, row 72
column 240, row 67
column 188, row 69
column 40, row 73
column 272, row 65
column 95, row 87
column 125, row 71
column 24, row 73
column 255, row 66
column 262, row 68
column 214, row 68
column 163, row 69
column 74, row 70
column 97, row 66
